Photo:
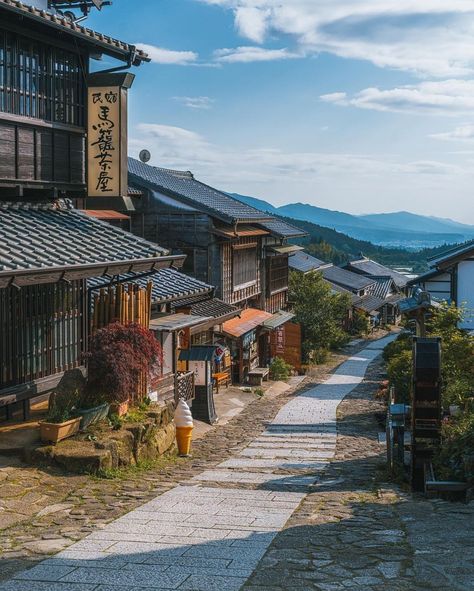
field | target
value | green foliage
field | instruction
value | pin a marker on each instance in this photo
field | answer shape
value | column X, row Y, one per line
column 399, row 372
column 334, row 247
column 115, row 421
column 62, row 406
column 360, row 324
column 259, row 392
column 457, row 358
column 280, row 369
column 319, row 356
column 320, row 312
column 455, row 459
column 399, row 345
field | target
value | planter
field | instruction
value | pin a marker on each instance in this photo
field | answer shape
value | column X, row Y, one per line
column 90, row 416
column 120, row 408
column 54, row 432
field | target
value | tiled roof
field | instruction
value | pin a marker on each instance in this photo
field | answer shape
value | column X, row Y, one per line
column 168, row 285
column 304, row 262
column 369, row 303
column 109, row 45
column 338, row 289
column 184, row 186
column 41, row 236
column 372, row 268
column 249, row 319
column 215, row 308
column 382, row 286
column 283, row 229
column 466, row 248
column 347, row 279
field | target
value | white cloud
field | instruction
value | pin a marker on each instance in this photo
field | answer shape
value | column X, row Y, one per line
column 248, row 54
column 195, row 102
column 429, row 37
column 159, row 55
column 462, row 133
column 447, row 97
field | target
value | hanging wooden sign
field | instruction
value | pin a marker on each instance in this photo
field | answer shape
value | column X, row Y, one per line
column 107, row 134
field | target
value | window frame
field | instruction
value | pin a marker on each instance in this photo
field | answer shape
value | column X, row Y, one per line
column 238, row 267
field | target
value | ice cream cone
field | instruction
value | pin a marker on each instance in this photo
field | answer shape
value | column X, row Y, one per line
column 184, row 436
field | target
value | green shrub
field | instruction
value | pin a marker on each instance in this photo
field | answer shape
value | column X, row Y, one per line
column 319, row 356
column 360, row 324
column 399, row 372
column 280, row 369
column 402, row 343
column 62, row 406
column 455, row 458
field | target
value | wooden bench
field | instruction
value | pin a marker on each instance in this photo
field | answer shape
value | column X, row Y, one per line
column 220, row 378
column 258, row 375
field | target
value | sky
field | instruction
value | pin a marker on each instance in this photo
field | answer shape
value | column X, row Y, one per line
column 360, row 106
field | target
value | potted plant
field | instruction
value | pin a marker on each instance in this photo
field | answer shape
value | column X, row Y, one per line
column 62, row 420
column 92, row 408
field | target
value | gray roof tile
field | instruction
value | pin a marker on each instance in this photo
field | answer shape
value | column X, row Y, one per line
column 347, row 279
column 168, row 285
column 40, row 236
column 185, row 186
column 304, row 262
column 369, row 267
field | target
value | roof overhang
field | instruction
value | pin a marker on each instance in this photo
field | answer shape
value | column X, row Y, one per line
column 198, row 353
column 278, row 320
column 287, row 249
column 112, row 47
column 106, row 214
column 245, row 231
column 25, row 277
column 176, row 322
column 249, row 320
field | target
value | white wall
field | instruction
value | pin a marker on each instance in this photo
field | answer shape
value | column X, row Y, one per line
column 439, row 287
column 465, row 293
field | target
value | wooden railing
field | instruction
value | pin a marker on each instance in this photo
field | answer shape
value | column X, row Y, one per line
column 184, row 386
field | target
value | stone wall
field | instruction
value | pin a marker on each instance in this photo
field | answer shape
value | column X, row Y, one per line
column 105, row 449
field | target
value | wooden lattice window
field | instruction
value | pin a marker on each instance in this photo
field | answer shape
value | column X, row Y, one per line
column 244, row 265
column 277, row 273
column 41, row 81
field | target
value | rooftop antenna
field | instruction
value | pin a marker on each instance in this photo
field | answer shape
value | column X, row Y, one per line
column 144, row 156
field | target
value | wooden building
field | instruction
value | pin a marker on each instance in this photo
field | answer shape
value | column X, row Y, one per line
column 451, row 279
column 240, row 250
column 48, row 249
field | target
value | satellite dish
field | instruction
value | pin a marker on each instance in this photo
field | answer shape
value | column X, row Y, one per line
column 144, row 156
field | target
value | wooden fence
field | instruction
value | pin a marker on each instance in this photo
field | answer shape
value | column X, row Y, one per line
column 124, row 304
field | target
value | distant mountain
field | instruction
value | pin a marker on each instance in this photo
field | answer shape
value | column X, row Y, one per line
column 254, row 202
column 415, row 223
column 400, row 229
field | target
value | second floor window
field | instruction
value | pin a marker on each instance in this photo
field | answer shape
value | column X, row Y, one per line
column 244, row 266
column 277, row 269
column 40, row 81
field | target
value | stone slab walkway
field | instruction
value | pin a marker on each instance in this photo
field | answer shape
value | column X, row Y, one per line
column 211, row 532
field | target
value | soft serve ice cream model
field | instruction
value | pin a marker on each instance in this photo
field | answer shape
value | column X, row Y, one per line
column 184, row 427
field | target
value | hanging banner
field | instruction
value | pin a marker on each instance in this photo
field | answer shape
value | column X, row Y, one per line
column 107, row 135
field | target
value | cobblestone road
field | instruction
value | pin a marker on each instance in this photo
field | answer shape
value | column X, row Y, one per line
column 211, row 532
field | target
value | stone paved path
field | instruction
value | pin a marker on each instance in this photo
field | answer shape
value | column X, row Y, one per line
column 211, row 532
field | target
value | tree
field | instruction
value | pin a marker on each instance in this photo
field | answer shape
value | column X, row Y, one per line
column 320, row 312
column 119, row 355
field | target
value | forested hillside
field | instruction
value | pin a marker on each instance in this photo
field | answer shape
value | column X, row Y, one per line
column 337, row 248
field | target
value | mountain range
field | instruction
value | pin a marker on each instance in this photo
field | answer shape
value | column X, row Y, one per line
column 397, row 229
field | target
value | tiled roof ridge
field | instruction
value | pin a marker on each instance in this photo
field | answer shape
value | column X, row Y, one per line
column 179, row 173
column 58, row 19
column 61, row 205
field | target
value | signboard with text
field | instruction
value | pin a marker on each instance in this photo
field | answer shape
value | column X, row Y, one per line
column 107, row 134
column 104, row 135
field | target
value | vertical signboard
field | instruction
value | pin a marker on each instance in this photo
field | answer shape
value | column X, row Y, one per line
column 107, row 134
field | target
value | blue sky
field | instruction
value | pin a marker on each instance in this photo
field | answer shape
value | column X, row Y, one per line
column 356, row 105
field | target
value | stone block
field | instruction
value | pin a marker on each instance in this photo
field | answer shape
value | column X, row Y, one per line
column 82, row 457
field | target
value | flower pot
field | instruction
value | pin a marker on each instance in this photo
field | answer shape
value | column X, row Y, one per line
column 90, row 416
column 120, row 408
column 54, row 432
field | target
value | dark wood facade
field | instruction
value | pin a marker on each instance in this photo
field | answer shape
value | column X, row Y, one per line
column 42, row 112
